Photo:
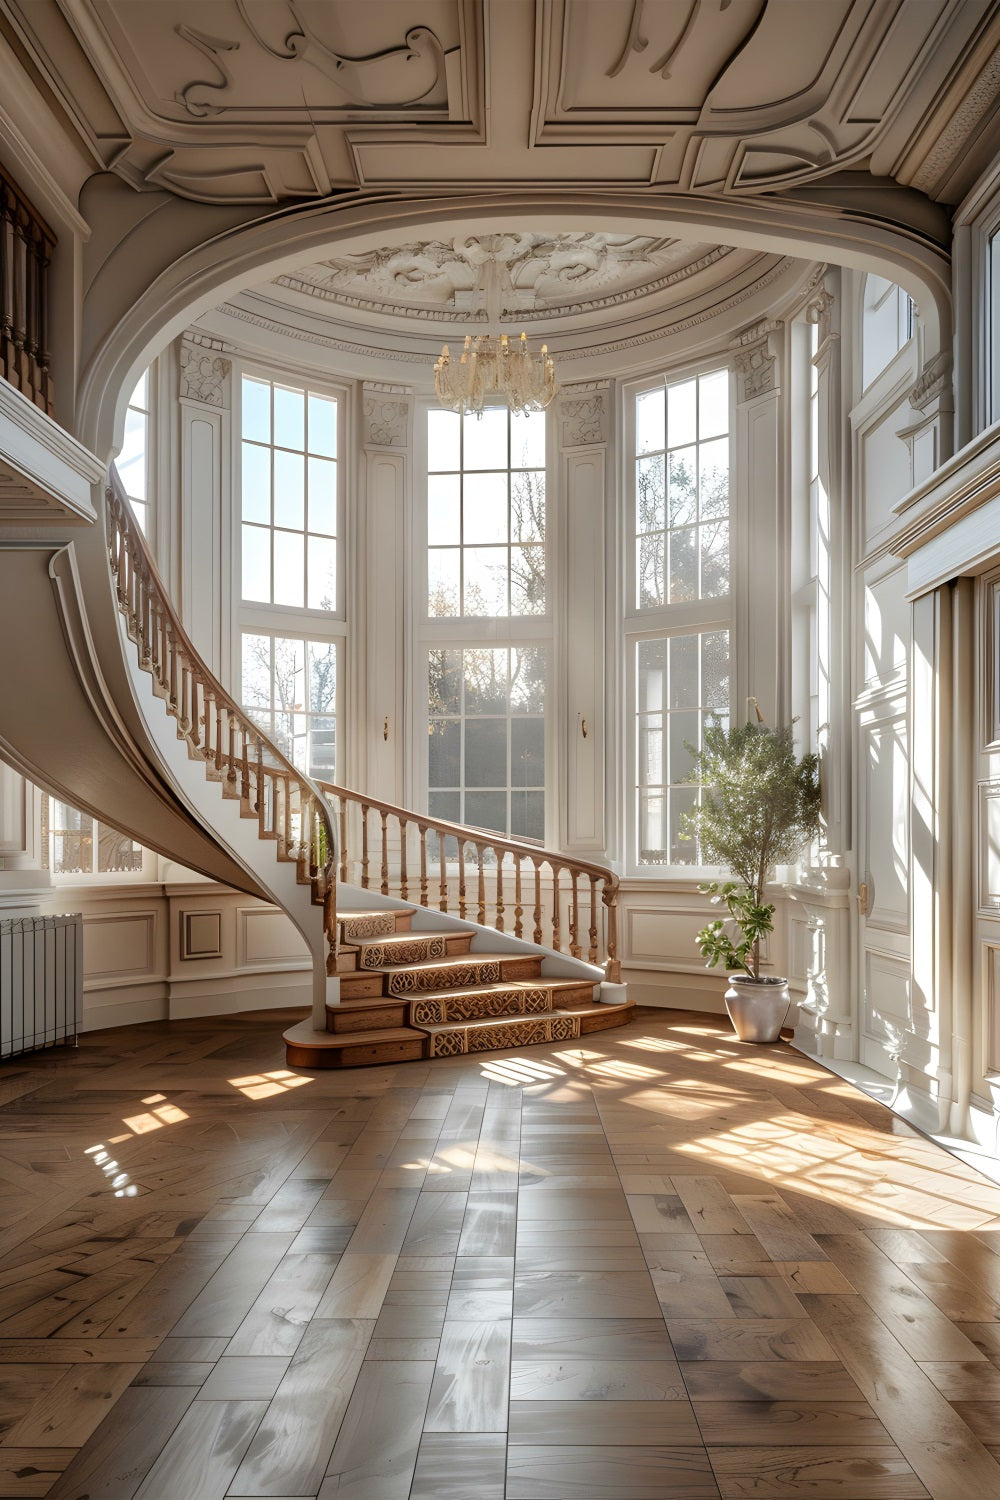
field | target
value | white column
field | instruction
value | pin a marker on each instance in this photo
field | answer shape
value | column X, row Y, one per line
column 387, row 431
column 204, row 565
column 583, row 426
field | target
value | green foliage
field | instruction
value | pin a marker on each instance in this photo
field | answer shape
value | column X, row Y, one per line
column 760, row 805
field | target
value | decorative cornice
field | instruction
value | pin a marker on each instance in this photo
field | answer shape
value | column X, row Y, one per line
column 954, row 136
column 203, row 375
column 207, row 341
column 933, row 382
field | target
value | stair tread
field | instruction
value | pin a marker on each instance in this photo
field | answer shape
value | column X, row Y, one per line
column 366, row 1038
column 461, row 960
column 347, row 914
column 484, row 1021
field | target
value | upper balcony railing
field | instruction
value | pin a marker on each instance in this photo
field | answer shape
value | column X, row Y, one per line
column 26, row 245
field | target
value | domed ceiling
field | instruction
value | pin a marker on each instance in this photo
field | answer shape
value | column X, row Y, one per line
column 591, row 295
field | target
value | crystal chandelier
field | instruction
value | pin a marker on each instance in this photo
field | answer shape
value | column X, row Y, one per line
column 490, row 364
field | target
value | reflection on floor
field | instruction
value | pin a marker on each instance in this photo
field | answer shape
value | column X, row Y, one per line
column 661, row 1264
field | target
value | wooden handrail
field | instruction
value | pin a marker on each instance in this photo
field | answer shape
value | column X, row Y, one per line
column 288, row 806
column 395, row 827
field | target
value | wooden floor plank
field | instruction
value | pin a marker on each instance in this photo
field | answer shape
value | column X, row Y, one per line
column 434, row 1280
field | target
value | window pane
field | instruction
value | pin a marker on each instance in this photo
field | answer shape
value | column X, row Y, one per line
column 116, row 852
column 714, row 560
column 323, row 749
column 448, row 807
column 322, row 677
column 713, row 404
column 527, row 816
column 289, row 418
column 683, row 565
column 527, row 679
column 131, row 461
column 713, row 478
column 256, row 483
column 527, row 506
column 322, row 495
column 485, row 673
column 682, row 424
column 485, row 590
column 484, row 508
column 527, row 752
column 289, row 490
column 322, row 425
column 443, row 436
column 443, row 747
column 649, row 421
column 650, row 567
column 256, row 410
column 256, row 688
column 322, row 573
column 443, row 583
column 684, row 671
column 683, row 498
column 527, row 580
column 486, row 752
column 256, row 563
column 487, row 810
column 650, row 511
column 484, row 439
column 445, row 682
column 527, row 440
column 288, row 569
column 140, row 396
column 443, row 510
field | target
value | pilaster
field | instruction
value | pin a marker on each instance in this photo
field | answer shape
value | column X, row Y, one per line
column 206, row 595
column 387, row 444
column 583, row 428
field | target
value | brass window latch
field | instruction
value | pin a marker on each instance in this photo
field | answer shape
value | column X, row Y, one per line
column 862, row 899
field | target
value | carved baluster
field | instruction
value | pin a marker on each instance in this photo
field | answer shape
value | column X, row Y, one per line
column 574, row 918
column 218, row 734
column 286, row 794
column 172, row 688
column 364, row 846
column 403, row 885
column 422, row 830
column 538, row 900
column 556, row 914
column 518, row 908
column 343, row 840
column 481, row 884
column 593, row 919
column 245, row 783
column 260, row 789
column 461, row 877
column 613, row 968
column 499, row 904
column 442, row 874
column 385, row 854
column 231, row 774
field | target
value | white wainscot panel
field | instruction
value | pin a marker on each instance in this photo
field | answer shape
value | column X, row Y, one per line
column 989, row 849
column 663, row 937
column 887, row 627
column 990, row 968
column 885, row 473
column 886, row 1011
column 118, row 946
column 266, row 936
column 886, row 771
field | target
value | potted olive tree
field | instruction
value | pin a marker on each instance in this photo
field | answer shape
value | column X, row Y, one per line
column 759, row 807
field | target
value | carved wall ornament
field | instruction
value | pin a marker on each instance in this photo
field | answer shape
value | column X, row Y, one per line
column 203, row 374
column 933, row 382
column 819, row 310
column 410, row 74
column 584, row 415
column 386, row 415
column 754, row 363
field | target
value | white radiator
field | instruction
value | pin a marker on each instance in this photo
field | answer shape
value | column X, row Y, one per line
column 41, row 982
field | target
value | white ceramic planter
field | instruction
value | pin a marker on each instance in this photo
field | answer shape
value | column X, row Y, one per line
column 757, row 1007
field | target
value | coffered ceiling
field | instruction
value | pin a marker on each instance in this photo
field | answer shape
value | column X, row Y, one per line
column 271, row 101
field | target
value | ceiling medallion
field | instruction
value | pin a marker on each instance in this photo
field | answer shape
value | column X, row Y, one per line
column 490, row 365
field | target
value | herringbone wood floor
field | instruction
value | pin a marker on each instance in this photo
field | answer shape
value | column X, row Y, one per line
column 658, row 1264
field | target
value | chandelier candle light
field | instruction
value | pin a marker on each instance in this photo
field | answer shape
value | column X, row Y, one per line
column 490, row 365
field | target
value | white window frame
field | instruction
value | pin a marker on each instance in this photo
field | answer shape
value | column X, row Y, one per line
column 478, row 630
column 94, row 876
column 256, row 617
column 694, row 617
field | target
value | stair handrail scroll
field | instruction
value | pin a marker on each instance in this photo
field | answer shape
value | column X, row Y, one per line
column 290, row 808
column 504, row 874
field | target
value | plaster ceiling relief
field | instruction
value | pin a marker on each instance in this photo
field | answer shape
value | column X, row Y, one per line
column 745, row 95
column 541, row 274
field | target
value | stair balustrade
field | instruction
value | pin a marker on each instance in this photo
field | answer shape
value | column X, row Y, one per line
column 26, row 246
column 235, row 751
column 471, row 873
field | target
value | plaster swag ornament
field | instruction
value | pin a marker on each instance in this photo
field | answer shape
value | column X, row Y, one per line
column 203, row 375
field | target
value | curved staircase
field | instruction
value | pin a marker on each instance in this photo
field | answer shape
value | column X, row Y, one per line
column 407, row 995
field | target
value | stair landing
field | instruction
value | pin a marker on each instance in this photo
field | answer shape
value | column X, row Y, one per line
column 407, row 995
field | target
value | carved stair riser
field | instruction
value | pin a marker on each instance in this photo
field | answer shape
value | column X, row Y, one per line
column 367, row 925
column 524, row 1031
column 461, row 976
column 412, row 948
column 480, row 1006
column 357, row 1015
